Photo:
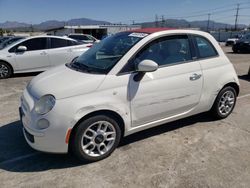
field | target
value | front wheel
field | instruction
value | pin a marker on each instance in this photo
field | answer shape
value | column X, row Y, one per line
column 5, row 70
column 224, row 103
column 96, row 138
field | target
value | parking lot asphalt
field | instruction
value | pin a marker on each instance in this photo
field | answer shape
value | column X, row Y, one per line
column 193, row 152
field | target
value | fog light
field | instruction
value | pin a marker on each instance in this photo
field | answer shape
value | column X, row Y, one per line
column 43, row 124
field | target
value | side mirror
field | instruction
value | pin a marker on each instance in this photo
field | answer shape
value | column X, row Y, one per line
column 143, row 67
column 147, row 66
column 21, row 49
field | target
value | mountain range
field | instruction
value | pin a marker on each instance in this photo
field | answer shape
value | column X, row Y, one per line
column 175, row 23
column 50, row 24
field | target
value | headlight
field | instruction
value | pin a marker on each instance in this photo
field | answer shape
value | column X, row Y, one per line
column 45, row 104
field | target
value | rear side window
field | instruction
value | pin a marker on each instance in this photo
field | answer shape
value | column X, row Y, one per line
column 205, row 48
column 58, row 43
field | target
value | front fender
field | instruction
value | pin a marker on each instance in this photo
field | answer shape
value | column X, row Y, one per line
column 80, row 106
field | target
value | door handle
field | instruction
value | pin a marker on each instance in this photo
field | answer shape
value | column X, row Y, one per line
column 43, row 53
column 195, row 76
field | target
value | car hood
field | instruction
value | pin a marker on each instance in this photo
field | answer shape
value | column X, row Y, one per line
column 63, row 82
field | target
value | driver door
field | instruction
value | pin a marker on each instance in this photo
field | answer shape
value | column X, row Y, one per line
column 35, row 58
column 172, row 90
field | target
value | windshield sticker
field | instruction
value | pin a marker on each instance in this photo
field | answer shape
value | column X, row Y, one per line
column 139, row 35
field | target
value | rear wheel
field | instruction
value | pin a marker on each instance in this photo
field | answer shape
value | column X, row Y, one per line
column 5, row 70
column 96, row 138
column 224, row 103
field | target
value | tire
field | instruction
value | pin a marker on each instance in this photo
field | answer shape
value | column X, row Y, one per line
column 224, row 103
column 5, row 70
column 234, row 50
column 90, row 134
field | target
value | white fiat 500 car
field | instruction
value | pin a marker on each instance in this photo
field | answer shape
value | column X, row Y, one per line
column 128, row 82
column 35, row 54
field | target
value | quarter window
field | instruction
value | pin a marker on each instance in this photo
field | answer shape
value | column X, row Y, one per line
column 205, row 48
column 73, row 43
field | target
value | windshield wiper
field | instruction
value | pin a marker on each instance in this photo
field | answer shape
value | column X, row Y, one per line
column 82, row 67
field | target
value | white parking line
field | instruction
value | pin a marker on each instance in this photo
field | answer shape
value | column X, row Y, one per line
column 244, row 96
column 19, row 158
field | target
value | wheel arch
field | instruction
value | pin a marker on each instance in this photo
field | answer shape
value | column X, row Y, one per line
column 109, row 113
column 233, row 85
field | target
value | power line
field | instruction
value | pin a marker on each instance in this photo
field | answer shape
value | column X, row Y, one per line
column 204, row 13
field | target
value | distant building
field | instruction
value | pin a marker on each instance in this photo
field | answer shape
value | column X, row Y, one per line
column 97, row 31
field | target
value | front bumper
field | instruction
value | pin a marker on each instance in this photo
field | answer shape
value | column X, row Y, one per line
column 52, row 139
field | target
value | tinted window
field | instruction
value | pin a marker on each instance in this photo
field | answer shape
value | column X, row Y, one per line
column 73, row 43
column 34, row 44
column 58, row 43
column 247, row 37
column 205, row 48
column 79, row 37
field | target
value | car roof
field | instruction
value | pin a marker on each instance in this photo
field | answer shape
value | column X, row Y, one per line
column 152, row 30
column 163, row 31
column 39, row 36
column 72, row 34
column 49, row 36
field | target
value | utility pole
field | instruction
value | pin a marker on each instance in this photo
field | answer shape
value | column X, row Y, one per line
column 156, row 20
column 162, row 21
column 208, row 21
column 236, row 16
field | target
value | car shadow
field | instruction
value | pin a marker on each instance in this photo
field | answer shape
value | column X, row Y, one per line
column 17, row 156
column 245, row 77
column 235, row 53
column 17, row 75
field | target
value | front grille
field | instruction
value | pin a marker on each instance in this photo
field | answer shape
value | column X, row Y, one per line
column 29, row 136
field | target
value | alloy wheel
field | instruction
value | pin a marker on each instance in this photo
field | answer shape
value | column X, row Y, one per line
column 98, row 138
column 226, row 103
column 4, row 71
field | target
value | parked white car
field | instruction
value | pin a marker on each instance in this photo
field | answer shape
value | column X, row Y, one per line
column 83, row 38
column 35, row 54
column 128, row 82
column 232, row 41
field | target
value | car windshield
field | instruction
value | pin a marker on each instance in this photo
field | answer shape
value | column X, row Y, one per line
column 9, row 42
column 103, row 56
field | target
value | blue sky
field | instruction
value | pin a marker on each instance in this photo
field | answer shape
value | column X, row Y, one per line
column 36, row 11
